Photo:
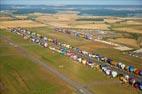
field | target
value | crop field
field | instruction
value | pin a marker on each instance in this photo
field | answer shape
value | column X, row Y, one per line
column 129, row 26
column 111, row 20
column 3, row 18
column 87, row 76
column 90, row 19
column 99, row 26
column 71, row 20
column 59, row 19
column 20, row 23
column 130, row 30
column 19, row 75
column 20, row 17
column 126, row 41
column 134, row 22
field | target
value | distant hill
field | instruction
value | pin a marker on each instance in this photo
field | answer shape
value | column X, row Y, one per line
column 92, row 10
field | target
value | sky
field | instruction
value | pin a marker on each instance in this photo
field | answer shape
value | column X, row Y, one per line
column 71, row 2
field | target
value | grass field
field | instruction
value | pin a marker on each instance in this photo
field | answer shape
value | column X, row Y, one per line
column 19, row 75
column 134, row 22
column 20, row 23
column 118, row 56
column 130, row 30
column 3, row 18
column 93, row 79
column 111, row 20
column 100, row 26
column 127, row 27
column 126, row 41
column 20, row 17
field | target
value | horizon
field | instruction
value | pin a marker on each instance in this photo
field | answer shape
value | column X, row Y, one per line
column 71, row 2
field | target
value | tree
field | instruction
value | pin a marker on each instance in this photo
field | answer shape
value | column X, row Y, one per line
column 138, row 38
column 139, row 41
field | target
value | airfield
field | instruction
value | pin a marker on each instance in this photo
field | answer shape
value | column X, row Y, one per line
column 34, row 69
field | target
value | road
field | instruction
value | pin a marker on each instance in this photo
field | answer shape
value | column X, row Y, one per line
column 80, row 88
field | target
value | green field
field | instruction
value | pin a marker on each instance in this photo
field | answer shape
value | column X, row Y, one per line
column 19, row 75
column 90, row 19
column 93, row 79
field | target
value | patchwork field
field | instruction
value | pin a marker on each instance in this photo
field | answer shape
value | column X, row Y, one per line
column 69, row 20
column 20, row 23
column 98, row 84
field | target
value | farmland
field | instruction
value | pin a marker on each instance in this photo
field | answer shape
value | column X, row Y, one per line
column 70, row 50
column 2, row 18
column 20, row 23
column 73, row 70
column 20, row 17
column 92, row 26
column 126, row 41
column 128, row 26
column 71, row 20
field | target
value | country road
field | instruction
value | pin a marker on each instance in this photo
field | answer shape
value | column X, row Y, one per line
column 80, row 88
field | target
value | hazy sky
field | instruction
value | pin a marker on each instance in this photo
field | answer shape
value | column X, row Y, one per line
column 64, row 2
